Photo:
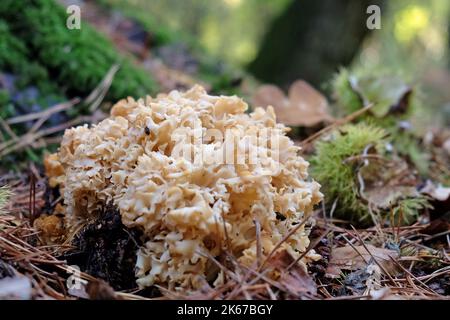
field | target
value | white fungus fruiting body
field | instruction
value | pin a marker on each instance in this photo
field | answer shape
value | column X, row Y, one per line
column 184, row 205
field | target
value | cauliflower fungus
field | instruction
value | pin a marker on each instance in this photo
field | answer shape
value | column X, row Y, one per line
column 188, row 209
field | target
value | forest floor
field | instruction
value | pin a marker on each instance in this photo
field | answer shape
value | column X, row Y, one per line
column 377, row 262
column 384, row 258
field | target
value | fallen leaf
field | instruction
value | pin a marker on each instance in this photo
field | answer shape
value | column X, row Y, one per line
column 270, row 95
column 389, row 94
column 446, row 146
column 387, row 196
column 383, row 184
column 296, row 280
column 357, row 257
column 18, row 287
column 100, row 290
column 304, row 105
column 437, row 192
column 51, row 228
column 437, row 226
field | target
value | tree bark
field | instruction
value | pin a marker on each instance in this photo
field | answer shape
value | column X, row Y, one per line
column 311, row 40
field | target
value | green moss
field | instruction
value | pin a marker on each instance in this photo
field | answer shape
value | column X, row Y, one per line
column 343, row 92
column 16, row 58
column 77, row 60
column 383, row 91
column 407, row 210
column 333, row 168
column 4, row 98
column 337, row 176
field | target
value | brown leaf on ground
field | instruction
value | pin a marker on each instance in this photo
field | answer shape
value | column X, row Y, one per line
column 51, row 228
column 357, row 257
column 437, row 192
column 100, row 290
column 383, row 183
column 296, row 280
column 437, row 226
column 386, row 196
column 304, row 105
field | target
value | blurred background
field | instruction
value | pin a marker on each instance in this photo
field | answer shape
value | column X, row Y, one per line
column 138, row 47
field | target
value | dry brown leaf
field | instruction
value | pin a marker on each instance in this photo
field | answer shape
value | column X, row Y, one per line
column 296, row 280
column 440, row 225
column 386, row 196
column 304, row 105
column 437, row 192
column 100, row 290
column 51, row 228
column 357, row 257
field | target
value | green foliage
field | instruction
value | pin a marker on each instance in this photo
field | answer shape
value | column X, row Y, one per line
column 353, row 91
column 407, row 210
column 333, row 166
column 330, row 165
column 390, row 95
column 406, row 144
column 16, row 58
column 347, row 98
column 76, row 59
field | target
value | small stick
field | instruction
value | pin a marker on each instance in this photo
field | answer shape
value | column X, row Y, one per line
column 338, row 123
column 32, row 196
column 43, row 114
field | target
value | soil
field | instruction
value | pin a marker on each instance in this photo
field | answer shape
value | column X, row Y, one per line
column 107, row 249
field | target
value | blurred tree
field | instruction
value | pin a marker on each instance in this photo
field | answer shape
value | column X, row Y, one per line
column 311, row 39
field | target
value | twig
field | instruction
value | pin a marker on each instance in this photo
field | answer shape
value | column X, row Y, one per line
column 336, row 124
column 44, row 114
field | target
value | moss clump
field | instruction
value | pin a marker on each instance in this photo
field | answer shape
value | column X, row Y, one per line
column 16, row 58
column 343, row 92
column 338, row 165
column 76, row 60
column 330, row 165
column 394, row 103
column 407, row 210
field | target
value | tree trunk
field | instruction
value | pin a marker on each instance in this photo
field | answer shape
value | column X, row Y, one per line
column 311, row 40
